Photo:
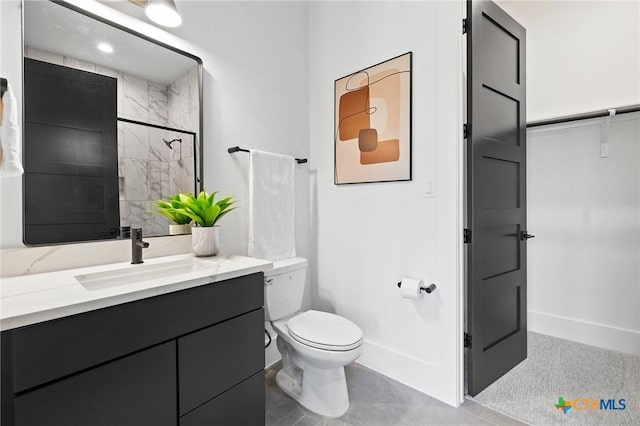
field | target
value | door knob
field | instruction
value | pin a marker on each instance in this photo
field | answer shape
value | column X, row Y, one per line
column 525, row 236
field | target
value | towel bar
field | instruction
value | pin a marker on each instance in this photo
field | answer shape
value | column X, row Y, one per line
column 238, row 149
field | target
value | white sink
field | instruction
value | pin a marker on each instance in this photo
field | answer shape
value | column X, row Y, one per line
column 138, row 273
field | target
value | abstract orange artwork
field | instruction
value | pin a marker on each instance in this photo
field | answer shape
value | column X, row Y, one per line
column 372, row 136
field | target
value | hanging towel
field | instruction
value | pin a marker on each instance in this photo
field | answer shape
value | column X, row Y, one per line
column 272, row 206
column 10, row 137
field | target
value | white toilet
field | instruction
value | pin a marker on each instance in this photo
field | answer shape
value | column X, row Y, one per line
column 315, row 346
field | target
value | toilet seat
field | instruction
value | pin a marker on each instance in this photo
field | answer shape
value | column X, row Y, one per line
column 326, row 331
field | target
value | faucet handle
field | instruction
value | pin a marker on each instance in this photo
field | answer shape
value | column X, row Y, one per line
column 136, row 235
column 137, row 245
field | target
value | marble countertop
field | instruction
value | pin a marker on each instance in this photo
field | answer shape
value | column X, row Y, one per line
column 30, row 299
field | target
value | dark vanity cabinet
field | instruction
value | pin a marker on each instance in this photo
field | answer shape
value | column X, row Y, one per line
column 191, row 357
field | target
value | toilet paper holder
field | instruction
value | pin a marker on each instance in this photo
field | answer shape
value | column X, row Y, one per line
column 429, row 289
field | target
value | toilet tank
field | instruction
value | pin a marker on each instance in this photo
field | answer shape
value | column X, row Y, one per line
column 284, row 288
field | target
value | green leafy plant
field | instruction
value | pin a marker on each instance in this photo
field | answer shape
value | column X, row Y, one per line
column 169, row 209
column 204, row 210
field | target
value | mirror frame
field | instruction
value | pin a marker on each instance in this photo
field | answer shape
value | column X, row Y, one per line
column 199, row 180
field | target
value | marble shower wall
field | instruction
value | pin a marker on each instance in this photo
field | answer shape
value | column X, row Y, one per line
column 184, row 106
column 148, row 170
column 184, row 102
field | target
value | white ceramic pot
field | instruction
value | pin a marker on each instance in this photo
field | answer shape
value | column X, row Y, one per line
column 179, row 229
column 205, row 241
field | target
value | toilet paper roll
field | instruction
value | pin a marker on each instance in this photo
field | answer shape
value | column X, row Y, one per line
column 410, row 288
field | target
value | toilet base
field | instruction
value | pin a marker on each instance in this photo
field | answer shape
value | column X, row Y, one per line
column 321, row 390
column 327, row 395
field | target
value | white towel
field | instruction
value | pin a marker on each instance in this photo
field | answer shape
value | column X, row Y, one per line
column 272, row 206
column 10, row 137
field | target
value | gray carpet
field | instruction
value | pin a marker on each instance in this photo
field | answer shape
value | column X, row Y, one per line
column 561, row 368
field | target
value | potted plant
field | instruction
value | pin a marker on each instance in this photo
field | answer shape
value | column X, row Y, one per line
column 205, row 212
column 181, row 224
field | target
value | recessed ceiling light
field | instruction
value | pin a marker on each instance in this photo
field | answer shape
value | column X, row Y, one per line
column 105, row 47
column 163, row 12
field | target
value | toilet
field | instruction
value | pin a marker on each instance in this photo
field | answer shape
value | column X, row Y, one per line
column 315, row 346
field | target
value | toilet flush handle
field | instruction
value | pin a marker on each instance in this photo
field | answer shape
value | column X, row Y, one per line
column 268, row 281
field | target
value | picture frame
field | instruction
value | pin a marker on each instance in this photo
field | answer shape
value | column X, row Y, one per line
column 373, row 123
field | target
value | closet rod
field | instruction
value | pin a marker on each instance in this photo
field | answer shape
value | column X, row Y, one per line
column 237, row 148
column 584, row 116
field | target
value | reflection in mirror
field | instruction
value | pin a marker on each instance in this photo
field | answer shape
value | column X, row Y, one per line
column 112, row 122
column 153, row 162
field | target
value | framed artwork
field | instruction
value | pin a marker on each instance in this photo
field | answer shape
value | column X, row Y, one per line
column 372, row 133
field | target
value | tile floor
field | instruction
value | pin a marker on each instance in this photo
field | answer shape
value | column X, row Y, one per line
column 377, row 400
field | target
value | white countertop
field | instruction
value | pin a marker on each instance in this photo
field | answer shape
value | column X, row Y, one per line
column 35, row 298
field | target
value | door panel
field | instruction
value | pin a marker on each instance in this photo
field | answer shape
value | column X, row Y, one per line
column 498, row 114
column 501, row 184
column 504, row 49
column 496, row 187
column 501, row 252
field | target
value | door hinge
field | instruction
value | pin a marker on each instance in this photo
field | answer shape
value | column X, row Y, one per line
column 467, row 236
column 467, row 340
column 466, row 23
column 466, row 130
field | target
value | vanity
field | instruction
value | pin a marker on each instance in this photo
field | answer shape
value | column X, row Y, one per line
column 118, row 345
column 177, row 340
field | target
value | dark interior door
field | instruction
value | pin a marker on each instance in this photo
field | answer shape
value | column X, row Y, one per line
column 497, row 255
column 70, row 152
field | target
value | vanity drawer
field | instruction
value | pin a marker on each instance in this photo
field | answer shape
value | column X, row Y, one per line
column 213, row 360
column 136, row 390
column 54, row 349
column 241, row 405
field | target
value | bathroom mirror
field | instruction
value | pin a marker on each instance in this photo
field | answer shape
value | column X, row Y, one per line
column 112, row 121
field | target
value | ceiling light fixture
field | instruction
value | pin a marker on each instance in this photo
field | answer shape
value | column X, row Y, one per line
column 163, row 12
column 105, row 47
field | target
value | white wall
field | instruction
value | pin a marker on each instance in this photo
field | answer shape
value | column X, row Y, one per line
column 11, row 69
column 255, row 96
column 584, row 264
column 368, row 236
column 584, row 278
column 581, row 55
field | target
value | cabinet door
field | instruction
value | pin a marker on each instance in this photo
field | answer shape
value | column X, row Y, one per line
column 241, row 405
column 139, row 389
column 219, row 357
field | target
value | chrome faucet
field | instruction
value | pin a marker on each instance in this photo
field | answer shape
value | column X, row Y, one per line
column 137, row 245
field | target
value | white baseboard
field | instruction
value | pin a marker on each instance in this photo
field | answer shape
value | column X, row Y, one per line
column 617, row 339
column 413, row 372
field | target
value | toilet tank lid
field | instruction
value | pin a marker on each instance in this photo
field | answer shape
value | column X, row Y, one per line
column 286, row 265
